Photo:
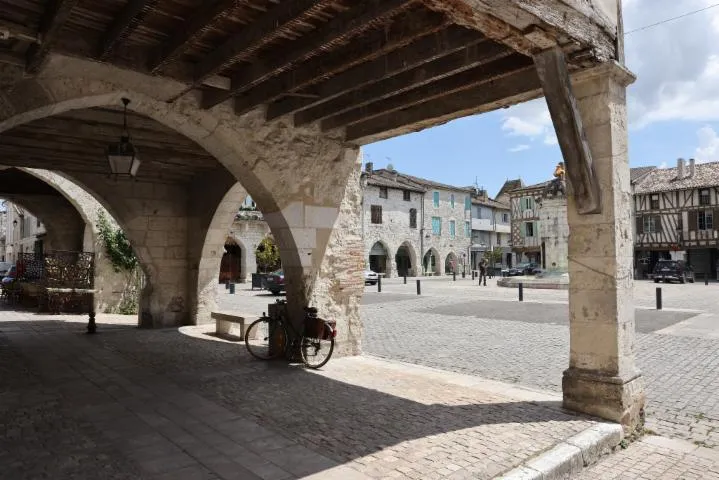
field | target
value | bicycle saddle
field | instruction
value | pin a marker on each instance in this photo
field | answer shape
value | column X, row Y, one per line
column 310, row 310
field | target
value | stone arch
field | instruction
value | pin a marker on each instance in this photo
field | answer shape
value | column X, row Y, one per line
column 302, row 202
column 233, row 261
column 431, row 262
column 110, row 285
column 450, row 263
column 406, row 260
column 379, row 258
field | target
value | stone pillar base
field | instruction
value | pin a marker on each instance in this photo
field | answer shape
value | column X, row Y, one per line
column 617, row 399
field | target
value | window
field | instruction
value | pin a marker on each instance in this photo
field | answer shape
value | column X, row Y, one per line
column 452, row 229
column 652, row 223
column 529, row 229
column 505, row 218
column 706, row 220
column 412, row 218
column 467, row 229
column 382, row 193
column 435, row 199
column 437, row 225
column 704, row 198
column 376, row 214
column 406, row 195
column 37, row 222
column 451, row 200
column 680, row 222
column 654, row 202
column 499, row 239
column 527, row 203
column 467, row 203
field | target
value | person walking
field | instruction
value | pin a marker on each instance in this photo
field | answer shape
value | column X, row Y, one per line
column 483, row 272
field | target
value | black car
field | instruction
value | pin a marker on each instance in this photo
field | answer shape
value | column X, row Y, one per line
column 275, row 282
column 529, row 268
column 670, row 270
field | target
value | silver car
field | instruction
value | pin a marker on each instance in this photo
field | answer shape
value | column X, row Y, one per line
column 370, row 277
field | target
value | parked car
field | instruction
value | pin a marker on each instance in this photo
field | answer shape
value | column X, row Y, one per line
column 4, row 267
column 669, row 270
column 10, row 275
column 371, row 277
column 275, row 282
column 528, row 268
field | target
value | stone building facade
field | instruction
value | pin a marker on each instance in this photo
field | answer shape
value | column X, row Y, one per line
column 554, row 233
column 24, row 232
column 246, row 233
column 414, row 226
column 526, row 240
column 491, row 229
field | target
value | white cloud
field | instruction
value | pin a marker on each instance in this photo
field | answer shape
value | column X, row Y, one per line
column 519, row 148
column 708, row 149
column 676, row 63
column 530, row 120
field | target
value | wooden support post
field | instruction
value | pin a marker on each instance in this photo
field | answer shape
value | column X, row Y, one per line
column 582, row 183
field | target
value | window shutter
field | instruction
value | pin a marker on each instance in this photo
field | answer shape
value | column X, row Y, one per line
column 640, row 225
column 715, row 219
column 658, row 223
column 692, row 221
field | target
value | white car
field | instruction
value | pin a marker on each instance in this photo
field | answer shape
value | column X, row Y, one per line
column 370, row 277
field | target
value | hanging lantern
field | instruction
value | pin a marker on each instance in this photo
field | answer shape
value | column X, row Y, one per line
column 122, row 156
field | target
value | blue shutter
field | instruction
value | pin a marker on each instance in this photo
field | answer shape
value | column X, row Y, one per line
column 467, row 203
column 435, row 198
column 452, row 229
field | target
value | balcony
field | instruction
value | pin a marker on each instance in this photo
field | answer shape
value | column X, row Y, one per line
column 528, row 242
column 503, row 228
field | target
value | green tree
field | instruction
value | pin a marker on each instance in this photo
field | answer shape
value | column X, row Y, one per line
column 267, row 255
column 493, row 256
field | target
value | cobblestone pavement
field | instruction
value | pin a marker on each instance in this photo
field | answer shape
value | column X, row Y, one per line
column 656, row 458
column 485, row 331
column 180, row 404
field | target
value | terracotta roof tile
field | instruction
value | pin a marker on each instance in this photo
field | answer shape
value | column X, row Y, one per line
column 665, row 179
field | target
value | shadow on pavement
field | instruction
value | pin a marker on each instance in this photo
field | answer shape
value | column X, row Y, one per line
column 53, row 375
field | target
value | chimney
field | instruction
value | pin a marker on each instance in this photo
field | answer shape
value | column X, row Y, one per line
column 680, row 168
column 692, row 167
column 368, row 168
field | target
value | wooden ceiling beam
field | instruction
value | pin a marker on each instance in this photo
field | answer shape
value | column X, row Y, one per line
column 268, row 28
column 457, row 62
column 204, row 19
column 53, row 20
column 124, row 24
column 515, row 88
column 480, row 75
column 367, row 15
column 407, row 30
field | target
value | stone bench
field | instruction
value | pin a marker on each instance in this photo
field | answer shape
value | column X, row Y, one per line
column 232, row 324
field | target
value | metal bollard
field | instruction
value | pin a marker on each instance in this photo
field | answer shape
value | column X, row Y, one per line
column 659, row 298
column 379, row 284
column 232, row 288
column 463, row 274
column 706, row 278
column 405, row 279
column 419, row 288
column 227, row 285
column 91, row 325
column 454, row 276
column 521, row 292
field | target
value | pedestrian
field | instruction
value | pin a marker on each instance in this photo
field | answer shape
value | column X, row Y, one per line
column 483, row 272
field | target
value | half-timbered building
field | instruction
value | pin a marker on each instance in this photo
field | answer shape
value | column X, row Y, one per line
column 677, row 212
column 526, row 241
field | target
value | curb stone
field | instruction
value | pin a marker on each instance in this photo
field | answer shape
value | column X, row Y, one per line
column 569, row 457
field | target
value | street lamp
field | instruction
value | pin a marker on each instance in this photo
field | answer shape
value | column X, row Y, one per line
column 122, row 156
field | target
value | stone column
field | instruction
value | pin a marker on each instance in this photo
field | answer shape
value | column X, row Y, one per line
column 602, row 378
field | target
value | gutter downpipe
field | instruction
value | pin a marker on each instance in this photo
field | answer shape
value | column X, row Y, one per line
column 420, row 272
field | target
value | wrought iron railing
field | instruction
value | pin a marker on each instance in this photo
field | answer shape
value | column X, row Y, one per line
column 58, row 269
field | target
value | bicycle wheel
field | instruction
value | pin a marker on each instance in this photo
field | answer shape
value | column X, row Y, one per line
column 316, row 352
column 266, row 339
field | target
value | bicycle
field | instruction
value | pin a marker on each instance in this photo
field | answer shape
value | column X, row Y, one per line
column 267, row 338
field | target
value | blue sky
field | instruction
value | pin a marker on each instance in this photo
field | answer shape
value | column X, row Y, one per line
column 673, row 110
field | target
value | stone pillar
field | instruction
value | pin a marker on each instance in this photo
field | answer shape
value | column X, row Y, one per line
column 602, row 378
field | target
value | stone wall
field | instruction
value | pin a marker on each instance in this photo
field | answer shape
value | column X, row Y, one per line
column 248, row 232
column 394, row 231
column 554, row 232
column 442, row 245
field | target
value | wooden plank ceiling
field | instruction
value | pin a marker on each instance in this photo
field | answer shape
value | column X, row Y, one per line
column 77, row 140
column 372, row 68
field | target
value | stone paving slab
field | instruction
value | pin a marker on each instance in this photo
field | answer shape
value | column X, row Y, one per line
column 161, row 404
